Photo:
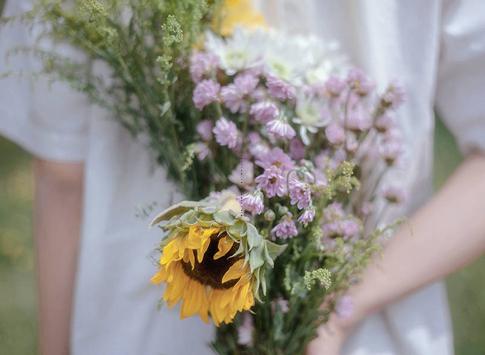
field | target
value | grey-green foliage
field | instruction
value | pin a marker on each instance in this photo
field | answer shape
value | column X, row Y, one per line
column 138, row 42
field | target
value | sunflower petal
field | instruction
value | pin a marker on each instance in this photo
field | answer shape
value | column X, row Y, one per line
column 225, row 244
column 235, row 271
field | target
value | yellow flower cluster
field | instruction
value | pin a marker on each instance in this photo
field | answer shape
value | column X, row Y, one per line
column 237, row 13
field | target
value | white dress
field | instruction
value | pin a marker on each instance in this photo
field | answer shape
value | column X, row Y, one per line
column 437, row 50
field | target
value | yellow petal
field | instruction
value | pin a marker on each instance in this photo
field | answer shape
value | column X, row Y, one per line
column 225, row 244
column 234, row 272
column 202, row 250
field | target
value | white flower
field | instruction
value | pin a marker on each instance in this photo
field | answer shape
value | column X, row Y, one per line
column 311, row 116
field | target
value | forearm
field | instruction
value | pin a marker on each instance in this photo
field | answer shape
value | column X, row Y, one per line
column 443, row 236
column 57, row 218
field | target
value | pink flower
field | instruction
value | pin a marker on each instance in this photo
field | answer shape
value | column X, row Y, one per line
column 276, row 157
column 297, row 149
column 358, row 119
column 285, row 229
column 307, row 216
column 334, row 86
column 204, row 129
column 201, row 64
column 226, row 133
column 300, row 194
column 233, row 95
column 384, row 123
column 243, row 174
column 280, row 89
column 335, row 134
column 393, row 97
column 390, row 151
column 359, row 82
column 264, row 111
column 206, row 92
column 252, row 203
column 272, row 182
column 280, row 129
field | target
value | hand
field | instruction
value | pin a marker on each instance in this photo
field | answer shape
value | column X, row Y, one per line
column 331, row 337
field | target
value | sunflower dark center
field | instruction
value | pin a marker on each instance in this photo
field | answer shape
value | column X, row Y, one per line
column 210, row 272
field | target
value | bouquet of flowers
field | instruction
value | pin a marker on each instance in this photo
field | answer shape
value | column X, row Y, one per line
column 279, row 144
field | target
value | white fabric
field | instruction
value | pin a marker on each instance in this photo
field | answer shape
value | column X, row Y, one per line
column 435, row 48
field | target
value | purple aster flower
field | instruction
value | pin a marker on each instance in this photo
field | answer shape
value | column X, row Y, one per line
column 281, row 129
column 201, row 64
column 232, row 98
column 307, row 216
column 335, row 134
column 358, row 119
column 285, row 229
column 393, row 97
column 276, row 157
column 257, row 147
column 300, row 194
column 280, row 89
column 351, row 145
column 226, row 133
column 206, row 92
column 297, row 149
column 344, row 307
column 272, row 181
column 394, row 194
column 384, row 123
column 252, row 203
column 359, row 82
column 204, row 129
column 243, row 174
column 390, row 151
column 264, row 111
column 334, row 86
column 233, row 95
column 246, row 83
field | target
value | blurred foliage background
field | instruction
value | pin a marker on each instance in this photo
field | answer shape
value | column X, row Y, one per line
column 18, row 323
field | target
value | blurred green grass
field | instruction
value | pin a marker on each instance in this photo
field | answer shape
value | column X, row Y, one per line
column 17, row 285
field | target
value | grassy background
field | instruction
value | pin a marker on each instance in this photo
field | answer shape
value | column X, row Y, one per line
column 18, row 333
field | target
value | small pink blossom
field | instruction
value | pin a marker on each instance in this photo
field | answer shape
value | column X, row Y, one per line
column 285, row 229
column 205, row 92
column 272, row 181
column 202, row 64
column 204, row 129
column 243, row 174
column 264, row 111
column 226, row 133
column 335, row 134
column 307, row 216
column 280, row 89
column 252, row 203
column 280, row 129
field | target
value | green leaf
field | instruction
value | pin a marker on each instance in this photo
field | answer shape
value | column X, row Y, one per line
column 256, row 258
column 237, row 230
column 174, row 210
column 224, row 217
column 274, row 249
column 253, row 236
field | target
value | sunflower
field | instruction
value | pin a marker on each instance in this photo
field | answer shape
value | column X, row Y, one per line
column 212, row 261
column 236, row 13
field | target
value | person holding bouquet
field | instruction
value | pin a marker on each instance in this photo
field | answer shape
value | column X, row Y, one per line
column 93, row 294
